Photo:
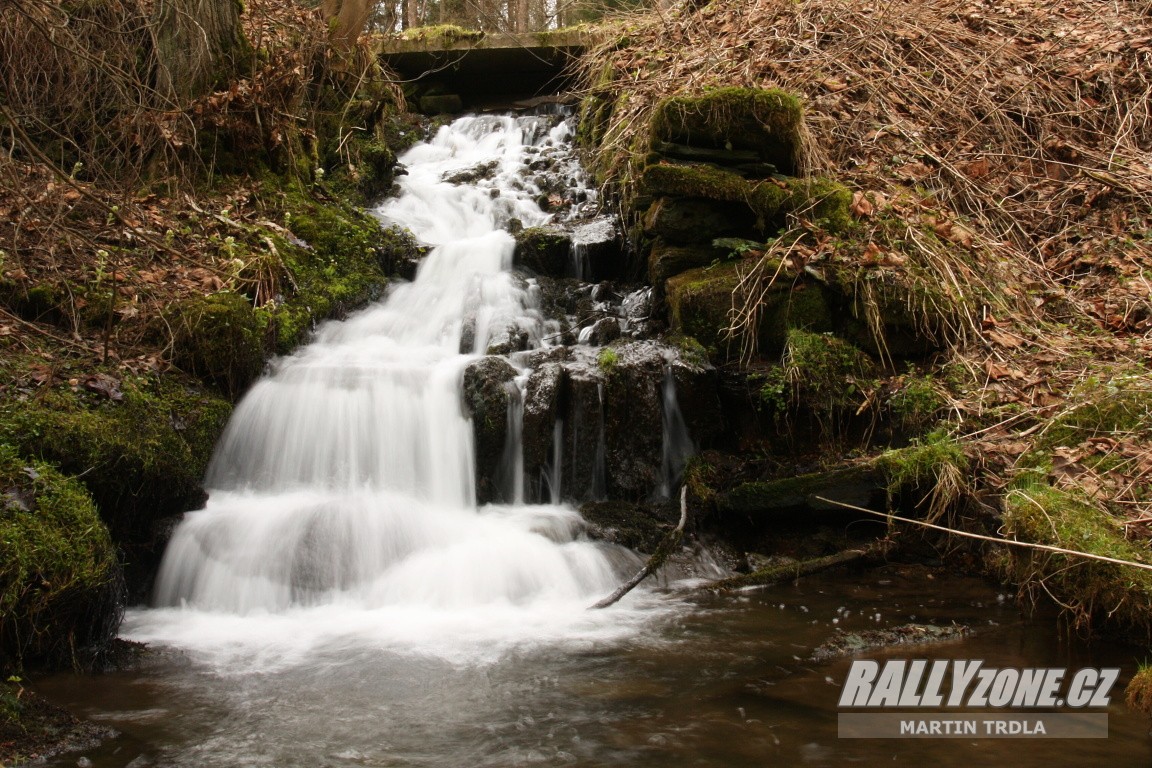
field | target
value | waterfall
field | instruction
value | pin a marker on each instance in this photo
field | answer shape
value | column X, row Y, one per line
column 677, row 446
column 341, row 496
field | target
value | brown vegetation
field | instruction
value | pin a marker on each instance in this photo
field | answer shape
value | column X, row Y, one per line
column 1000, row 158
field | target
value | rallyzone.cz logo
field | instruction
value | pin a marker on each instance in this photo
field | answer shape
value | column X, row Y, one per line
column 969, row 685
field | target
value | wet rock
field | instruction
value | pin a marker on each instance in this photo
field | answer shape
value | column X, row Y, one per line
column 486, row 398
column 541, row 409
column 852, row 643
column 634, row 420
column 609, row 404
column 511, row 339
column 544, row 251
column 584, row 468
column 638, row 526
column 598, row 250
column 697, row 392
column 858, row 486
column 474, row 174
column 636, row 308
column 601, row 332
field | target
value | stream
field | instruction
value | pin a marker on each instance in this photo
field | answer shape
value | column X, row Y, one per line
column 343, row 599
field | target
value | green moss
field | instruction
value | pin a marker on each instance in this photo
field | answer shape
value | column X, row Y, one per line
column 917, row 404
column 923, row 462
column 820, row 200
column 1091, row 591
column 767, row 121
column 442, row 34
column 1138, row 693
column 141, row 458
column 691, row 350
column 218, row 338
column 699, row 302
column 1117, row 406
column 826, row 373
column 929, row 476
column 543, row 250
column 58, row 569
column 342, row 265
column 854, row 484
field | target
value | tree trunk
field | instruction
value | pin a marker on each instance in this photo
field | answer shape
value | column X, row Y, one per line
column 411, row 14
column 350, row 16
column 198, row 44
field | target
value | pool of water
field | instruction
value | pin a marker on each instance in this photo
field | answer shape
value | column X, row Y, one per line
column 712, row 680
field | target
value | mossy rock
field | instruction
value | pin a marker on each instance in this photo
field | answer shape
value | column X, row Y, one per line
column 666, row 260
column 544, row 251
column 141, row 457
column 218, row 338
column 858, row 486
column 690, row 220
column 824, row 372
column 766, row 121
column 42, row 302
column 343, row 263
column 820, row 200
column 59, row 577
column 1094, row 593
column 700, row 303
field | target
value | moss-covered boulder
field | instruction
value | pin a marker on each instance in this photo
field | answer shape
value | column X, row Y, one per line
column 667, row 260
column 543, row 251
column 339, row 260
column 859, row 485
column 1093, row 592
column 702, row 303
column 817, row 199
column 767, row 122
column 688, row 220
column 141, row 453
column 218, row 338
column 59, row 578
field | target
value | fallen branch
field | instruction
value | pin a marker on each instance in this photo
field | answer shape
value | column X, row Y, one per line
column 993, row 539
column 665, row 548
column 778, row 574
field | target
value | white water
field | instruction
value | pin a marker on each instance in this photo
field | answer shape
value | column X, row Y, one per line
column 342, row 502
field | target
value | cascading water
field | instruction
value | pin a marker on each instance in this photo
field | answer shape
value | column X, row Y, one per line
column 342, row 498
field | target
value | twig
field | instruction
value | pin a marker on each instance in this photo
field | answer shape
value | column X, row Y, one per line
column 667, row 545
column 778, row 574
column 993, row 539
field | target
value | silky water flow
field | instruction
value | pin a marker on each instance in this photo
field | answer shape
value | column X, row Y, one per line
column 341, row 496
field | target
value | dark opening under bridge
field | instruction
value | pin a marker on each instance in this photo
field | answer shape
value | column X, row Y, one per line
column 455, row 70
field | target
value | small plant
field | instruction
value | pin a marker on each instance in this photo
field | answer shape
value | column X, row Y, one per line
column 608, row 360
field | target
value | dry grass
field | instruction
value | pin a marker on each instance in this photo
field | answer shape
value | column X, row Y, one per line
column 1020, row 131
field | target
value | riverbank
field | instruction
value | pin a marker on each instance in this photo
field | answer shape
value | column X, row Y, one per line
column 914, row 241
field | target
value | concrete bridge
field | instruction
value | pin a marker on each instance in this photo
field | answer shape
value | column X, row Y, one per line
column 453, row 69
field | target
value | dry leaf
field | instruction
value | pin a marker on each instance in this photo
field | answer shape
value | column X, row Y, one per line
column 861, row 206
